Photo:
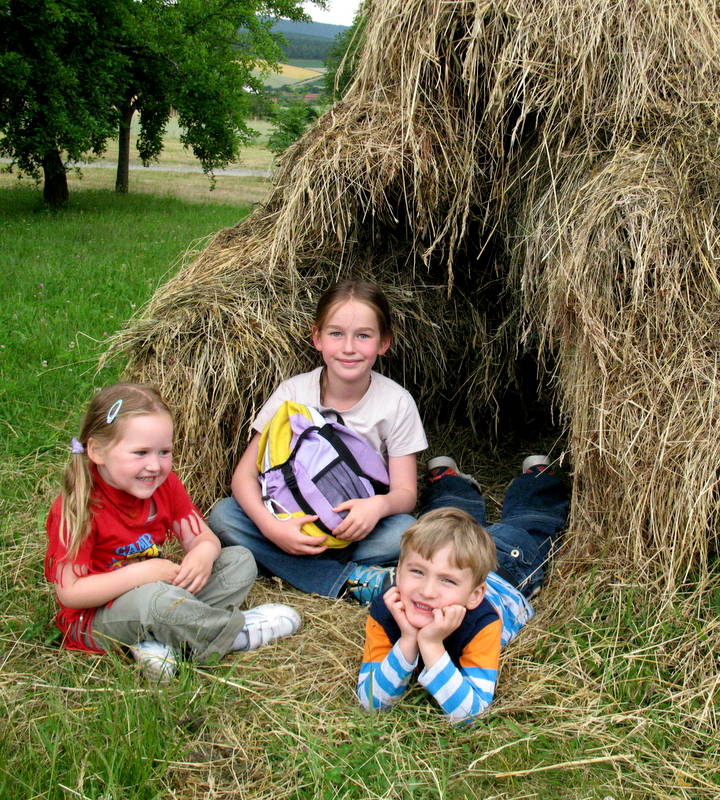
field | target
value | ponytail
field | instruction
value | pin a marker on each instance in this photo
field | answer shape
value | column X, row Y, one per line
column 75, row 503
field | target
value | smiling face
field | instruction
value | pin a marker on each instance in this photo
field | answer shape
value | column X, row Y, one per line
column 141, row 458
column 436, row 582
column 350, row 341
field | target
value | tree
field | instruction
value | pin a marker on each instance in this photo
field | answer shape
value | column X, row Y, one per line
column 290, row 123
column 57, row 71
column 342, row 61
column 74, row 72
column 196, row 57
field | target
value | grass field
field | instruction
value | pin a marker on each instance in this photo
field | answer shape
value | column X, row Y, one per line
column 174, row 153
column 605, row 695
column 294, row 73
column 308, row 63
column 193, row 186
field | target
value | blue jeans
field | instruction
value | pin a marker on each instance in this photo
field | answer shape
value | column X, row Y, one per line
column 324, row 574
column 534, row 513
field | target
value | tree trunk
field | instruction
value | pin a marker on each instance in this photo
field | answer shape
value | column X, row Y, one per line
column 55, row 188
column 122, row 177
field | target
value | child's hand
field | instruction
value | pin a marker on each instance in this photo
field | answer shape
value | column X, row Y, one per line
column 431, row 637
column 158, row 569
column 365, row 512
column 408, row 632
column 196, row 566
column 396, row 607
column 288, row 536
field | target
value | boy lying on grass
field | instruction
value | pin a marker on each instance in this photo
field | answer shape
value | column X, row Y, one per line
column 445, row 616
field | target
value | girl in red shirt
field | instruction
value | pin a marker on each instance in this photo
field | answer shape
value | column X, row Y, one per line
column 120, row 503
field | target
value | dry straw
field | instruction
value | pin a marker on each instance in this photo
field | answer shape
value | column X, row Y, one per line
column 523, row 176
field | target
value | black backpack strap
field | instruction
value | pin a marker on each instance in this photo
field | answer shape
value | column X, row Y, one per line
column 291, row 482
column 328, row 432
column 336, row 414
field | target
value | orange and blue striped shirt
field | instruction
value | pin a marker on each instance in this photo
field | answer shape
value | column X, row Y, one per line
column 463, row 680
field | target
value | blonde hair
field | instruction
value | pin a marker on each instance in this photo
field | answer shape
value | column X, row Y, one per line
column 362, row 291
column 104, row 422
column 471, row 545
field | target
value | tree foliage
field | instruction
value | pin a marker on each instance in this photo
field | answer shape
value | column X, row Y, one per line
column 57, row 72
column 313, row 48
column 341, row 63
column 197, row 57
column 74, row 72
column 290, row 123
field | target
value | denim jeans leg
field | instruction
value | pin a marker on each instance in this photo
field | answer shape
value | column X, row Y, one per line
column 534, row 512
column 324, row 574
column 456, row 492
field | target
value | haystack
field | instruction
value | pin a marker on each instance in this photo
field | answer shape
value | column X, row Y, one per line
column 525, row 177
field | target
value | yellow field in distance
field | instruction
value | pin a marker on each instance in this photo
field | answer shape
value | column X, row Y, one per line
column 298, row 73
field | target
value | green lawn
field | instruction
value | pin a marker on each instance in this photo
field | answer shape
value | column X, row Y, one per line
column 605, row 695
column 69, row 279
column 307, row 63
column 174, row 153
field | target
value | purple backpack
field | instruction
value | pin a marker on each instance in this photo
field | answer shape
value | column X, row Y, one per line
column 309, row 464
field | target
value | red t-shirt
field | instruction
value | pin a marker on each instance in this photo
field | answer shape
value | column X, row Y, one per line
column 121, row 531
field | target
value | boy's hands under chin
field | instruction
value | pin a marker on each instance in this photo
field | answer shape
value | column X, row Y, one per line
column 408, row 633
column 431, row 637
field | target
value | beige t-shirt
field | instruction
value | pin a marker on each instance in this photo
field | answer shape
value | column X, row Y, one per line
column 386, row 415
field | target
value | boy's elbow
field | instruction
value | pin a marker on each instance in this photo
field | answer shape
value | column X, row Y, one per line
column 368, row 701
column 371, row 705
column 468, row 717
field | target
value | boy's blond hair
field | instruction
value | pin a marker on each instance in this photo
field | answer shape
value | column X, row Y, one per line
column 472, row 546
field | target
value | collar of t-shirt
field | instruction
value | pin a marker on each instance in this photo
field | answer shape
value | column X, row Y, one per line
column 130, row 509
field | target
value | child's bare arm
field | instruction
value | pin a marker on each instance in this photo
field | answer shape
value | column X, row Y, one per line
column 201, row 547
column 286, row 534
column 91, row 591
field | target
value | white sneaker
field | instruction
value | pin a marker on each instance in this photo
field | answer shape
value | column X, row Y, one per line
column 158, row 662
column 535, row 461
column 266, row 623
column 450, row 463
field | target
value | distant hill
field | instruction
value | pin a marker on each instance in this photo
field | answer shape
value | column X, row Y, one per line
column 320, row 30
column 308, row 40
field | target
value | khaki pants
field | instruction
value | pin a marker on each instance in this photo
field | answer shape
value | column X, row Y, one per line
column 207, row 622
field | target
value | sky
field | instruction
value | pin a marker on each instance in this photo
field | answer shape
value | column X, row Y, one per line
column 339, row 12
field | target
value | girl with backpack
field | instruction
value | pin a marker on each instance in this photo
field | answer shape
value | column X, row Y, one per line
column 352, row 328
column 120, row 503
